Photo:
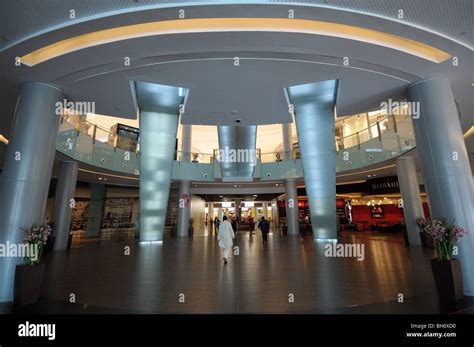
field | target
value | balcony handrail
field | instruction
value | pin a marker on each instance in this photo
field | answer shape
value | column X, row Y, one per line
column 193, row 156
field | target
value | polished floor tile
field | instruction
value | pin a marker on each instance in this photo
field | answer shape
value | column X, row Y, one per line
column 287, row 275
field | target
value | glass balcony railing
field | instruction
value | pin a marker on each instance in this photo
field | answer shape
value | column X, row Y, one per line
column 389, row 137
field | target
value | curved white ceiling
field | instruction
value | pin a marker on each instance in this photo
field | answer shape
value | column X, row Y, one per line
column 23, row 19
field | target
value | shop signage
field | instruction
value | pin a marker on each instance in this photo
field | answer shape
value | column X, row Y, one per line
column 384, row 185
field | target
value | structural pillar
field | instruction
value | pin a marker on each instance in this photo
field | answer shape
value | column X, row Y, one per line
column 184, row 208
column 410, row 191
column 219, row 214
column 64, row 203
column 184, row 195
column 211, row 211
column 445, row 164
column 186, row 136
column 287, row 138
column 291, row 202
column 265, row 210
column 159, row 112
column 237, row 209
column 27, row 169
column 96, row 209
column 314, row 116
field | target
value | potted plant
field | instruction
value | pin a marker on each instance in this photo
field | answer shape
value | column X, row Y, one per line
column 446, row 270
column 29, row 275
column 426, row 239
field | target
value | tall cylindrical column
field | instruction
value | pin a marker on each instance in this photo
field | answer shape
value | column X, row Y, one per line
column 184, row 195
column 186, row 138
column 287, row 138
column 410, row 191
column 27, row 170
column 96, row 209
column 160, row 107
column 314, row 109
column 219, row 214
column 237, row 209
column 265, row 210
column 445, row 164
column 64, row 203
column 157, row 145
column 211, row 211
column 291, row 200
column 184, row 208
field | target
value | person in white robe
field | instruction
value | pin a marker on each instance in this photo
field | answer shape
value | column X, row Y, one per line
column 226, row 238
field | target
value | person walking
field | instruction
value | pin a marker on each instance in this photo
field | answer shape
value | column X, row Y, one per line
column 265, row 228
column 225, row 237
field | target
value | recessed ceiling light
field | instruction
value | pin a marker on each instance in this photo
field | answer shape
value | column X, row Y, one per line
column 179, row 26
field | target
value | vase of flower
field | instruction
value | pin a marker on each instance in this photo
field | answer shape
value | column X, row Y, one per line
column 29, row 275
column 446, row 270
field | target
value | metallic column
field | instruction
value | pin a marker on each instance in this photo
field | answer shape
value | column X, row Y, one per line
column 211, row 211
column 186, row 136
column 65, row 189
column 265, row 211
column 287, row 138
column 410, row 190
column 445, row 164
column 184, row 194
column 291, row 202
column 220, row 214
column 238, row 211
column 314, row 108
column 27, row 170
column 159, row 110
column 184, row 208
column 96, row 209
column 238, row 148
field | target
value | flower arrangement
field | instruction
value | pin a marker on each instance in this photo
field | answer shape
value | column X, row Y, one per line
column 444, row 234
column 36, row 237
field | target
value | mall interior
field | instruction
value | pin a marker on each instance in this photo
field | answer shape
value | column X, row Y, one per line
column 134, row 127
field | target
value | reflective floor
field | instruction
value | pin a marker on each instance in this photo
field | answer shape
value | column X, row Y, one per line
column 287, row 275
